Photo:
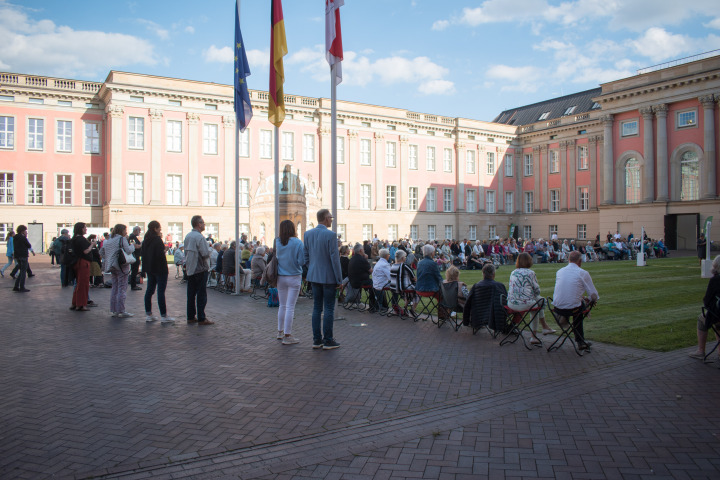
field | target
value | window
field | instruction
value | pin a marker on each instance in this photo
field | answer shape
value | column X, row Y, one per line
column 63, row 190
column 470, row 206
column 135, row 188
column 413, row 232
column 244, row 190
column 552, row 230
column 210, row 106
column 174, row 136
column 210, row 139
column 175, row 103
column 7, row 98
column 210, row 191
column 213, row 230
column 340, row 149
column 92, row 190
column 308, row 148
column 492, row 232
column 340, row 195
column 508, row 165
column 173, row 190
column 582, row 232
column 413, row 157
column 529, row 202
column 583, row 198
column 544, row 116
column 38, row 101
column 628, row 129
column 367, row 231
column 35, row 189
column 5, row 228
column 595, row 106
column 554, row 162
column 490, row 201
column 554, row 200
column 91, row 140
column 632, row 181
column 689, row 176
column 136, row 132
column 365, row 192
column 431, row 200
column 390, row 197
column 135, row 98
column 266, row 144
column 244, row 145
column 527, row 232
column 365, row 124
column 490, row 163
column 391, row 154
column 392, row 234
column 175, row 230
column 430, row 158
column 470, row 161
column 472, row 234
column 413, row 198
column 7, row 132
column 64, row 136
column 583, row 157
column 570, row 110
column 342, row 232
column 686, row 119
column 449, row 232
column 447, row 200
column 288, row 146
column 528, row 161
column 431, row 232
column 365, row 151
column 509, row 202
column 7, row 188
column 36, row 133
column 447, row 160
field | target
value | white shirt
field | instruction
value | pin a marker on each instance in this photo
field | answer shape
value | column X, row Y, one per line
column 570, row 284
column 381, row 274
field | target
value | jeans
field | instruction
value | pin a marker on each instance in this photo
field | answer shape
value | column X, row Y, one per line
column 323, row 298
column 22, row 266
column 10, row 262
column 288, row 289
column 197, row 295
column 159, row 281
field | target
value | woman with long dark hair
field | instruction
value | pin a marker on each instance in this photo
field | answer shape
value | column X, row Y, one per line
column 291, row 258
column 154, row 264
column 111, row 251
column 82, row 249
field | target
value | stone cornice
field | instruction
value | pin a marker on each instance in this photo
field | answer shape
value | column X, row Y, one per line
column 115, row 111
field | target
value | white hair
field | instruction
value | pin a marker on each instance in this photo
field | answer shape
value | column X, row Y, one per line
column 400, row 254
column 428, row 250
column 260, row 251
column 716, row 266
column 384, row 252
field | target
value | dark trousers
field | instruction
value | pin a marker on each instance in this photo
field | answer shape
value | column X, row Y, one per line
column 23, row 267
column 28, row 270
column 577, row 320
column 134, row 269
column 197, row 295
column 159, row 281
column 82, row 286
column 323, row 315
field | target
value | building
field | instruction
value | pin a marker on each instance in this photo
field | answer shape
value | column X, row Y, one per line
column 636, row 152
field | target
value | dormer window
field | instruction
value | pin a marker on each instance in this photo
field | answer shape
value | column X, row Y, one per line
column 570, row 110
column 544, row 116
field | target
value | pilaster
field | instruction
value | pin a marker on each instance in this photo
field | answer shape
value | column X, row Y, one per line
column 116, row 115
column 230, row 180
column 592, row 165
column 156, row 117
column 661, row 166
column 193, row 120
column 707, row 170
column 649, row 155
column 608, row 160
column 379, row 166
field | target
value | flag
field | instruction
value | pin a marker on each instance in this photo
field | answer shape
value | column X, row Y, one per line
column 278, row 49
column 333, row 36
column 243, row 108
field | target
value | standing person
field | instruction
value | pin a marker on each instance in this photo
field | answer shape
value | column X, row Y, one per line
column 290, row 260
column 110, row 253
column 571, row 282
column 197, row 265
column 60, row 247
column 51, row 252
column 154, row 265
column 96, row 279
column 82, row 249
column 135, row 267
column 9, row 245
column 324, row 273
column 701, row 247
column 21, row 249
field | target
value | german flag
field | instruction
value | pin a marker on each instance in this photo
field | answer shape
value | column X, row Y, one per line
column 278, row 49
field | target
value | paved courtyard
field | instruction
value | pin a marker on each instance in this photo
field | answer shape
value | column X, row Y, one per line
column 84, row 395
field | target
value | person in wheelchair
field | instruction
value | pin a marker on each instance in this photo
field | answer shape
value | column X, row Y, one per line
column 402, row 283
column 712, row 315
column 569, row 299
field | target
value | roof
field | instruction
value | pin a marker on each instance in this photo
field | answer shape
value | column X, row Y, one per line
column 550, row 109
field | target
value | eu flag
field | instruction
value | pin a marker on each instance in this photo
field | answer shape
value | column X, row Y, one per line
column 243, row 109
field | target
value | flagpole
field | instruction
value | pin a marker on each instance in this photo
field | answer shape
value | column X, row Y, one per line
column 277, row 182
column 237, row 194
column 333, row 145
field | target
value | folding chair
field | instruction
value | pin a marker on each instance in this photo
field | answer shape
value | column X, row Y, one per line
column 229, row 286
column 715, row 327
column 449, row 304
column 427, row 304
column 518, row 322
column 259, row 291
column 567, row 328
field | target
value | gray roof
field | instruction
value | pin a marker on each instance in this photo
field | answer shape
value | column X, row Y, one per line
column 554, row 108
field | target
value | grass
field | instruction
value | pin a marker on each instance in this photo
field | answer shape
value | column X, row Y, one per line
column 653, row 307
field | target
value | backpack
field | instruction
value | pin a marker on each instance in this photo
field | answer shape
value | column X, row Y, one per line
column 68, row 257
column 273, row 298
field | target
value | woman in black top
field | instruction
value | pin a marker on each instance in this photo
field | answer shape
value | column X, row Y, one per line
column 154, row 264
column 81, row 247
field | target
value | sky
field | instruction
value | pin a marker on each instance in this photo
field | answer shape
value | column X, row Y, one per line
column 457, row 58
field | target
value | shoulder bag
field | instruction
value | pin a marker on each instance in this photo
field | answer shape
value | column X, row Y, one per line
column 271, row 271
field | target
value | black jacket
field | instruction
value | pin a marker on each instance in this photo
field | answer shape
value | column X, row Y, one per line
column 153, row 256
column 21, row 246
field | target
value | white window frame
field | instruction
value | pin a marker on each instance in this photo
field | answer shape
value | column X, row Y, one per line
column 308, row 147
column 490, row 163
column 583, row 199
column 210, row 191
column 527, row 232
column 582, row 231
column 528, row 165
column 448, row 200
column 492, row 232
column 35, row 139
column 136, row 133
column 133, row 190
column 509, row 165
column 470, row 162
column 529, row 202
column 244, row 192
column 470, row 203
column 340, row 150
column 431, row 232
column 7, row 132
column 367, row 231
column 413, row 198
column 92, row 137
column 63, row 136
column 448, row 232
column 554, row 200
column 490, row 197
column 7, row 188
column 244, row 143
column 447, row 160
column 173, row 136
column 365, row 196
column 390, row 197
column 93, row 191
column 554, row 161
column 686, row 119
column 392, row 233
column 210, row 138
column 431, row 200
column 629, row 128
column 365, row 151
column 391, row 154
column 583, row 157
column 430, row 159
column 173, row 189
column 266, row 143
column 509, row 202
column 413, row 151
column 472, row 232
column 63, row 193
column 340, row 195
column 413, row 232
column 287, row 146
column 35, row 188
column 175, row 230
column 342, row 231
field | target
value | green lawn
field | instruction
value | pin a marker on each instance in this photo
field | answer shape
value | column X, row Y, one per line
column 653, row 307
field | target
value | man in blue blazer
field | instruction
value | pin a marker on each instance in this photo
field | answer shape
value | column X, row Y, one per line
column 323, row 259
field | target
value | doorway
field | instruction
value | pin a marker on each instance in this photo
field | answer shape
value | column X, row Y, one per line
column 35, row 237
column 681, row 231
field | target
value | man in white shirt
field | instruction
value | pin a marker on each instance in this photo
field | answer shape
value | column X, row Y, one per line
column 571, row 283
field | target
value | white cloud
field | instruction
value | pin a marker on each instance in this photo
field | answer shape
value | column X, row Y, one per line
column 440, row 25
column 219, row 55
column 190, row 29
column 437, row 87
column 153, row 27
column 658, row 44
column 258, row 58
column 44, row 48
column 520, row 79
column 713, row 24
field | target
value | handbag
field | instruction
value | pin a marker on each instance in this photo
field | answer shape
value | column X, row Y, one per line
column 123, row 256
column 271, row 270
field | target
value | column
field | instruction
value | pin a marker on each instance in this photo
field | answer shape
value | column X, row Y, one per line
column 117, row 141
column 351, row 189
column 545, row 169
column 592, row 165
column 379, row 165
column 230, row 182
column 707, row 170
column 517, row 203
column 194, row 133
column 156, row 156
column 563, row 177
column 649, row 154
column 536, row 180
column 571, row 174
column 608, row 159
column 661, row 166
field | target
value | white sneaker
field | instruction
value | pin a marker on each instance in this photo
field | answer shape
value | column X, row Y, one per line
column 280, row 335
column 150, row 318
column 167, row 320
column 113, row 314
column 290, row 340
column 125, row 315
column 548, row 331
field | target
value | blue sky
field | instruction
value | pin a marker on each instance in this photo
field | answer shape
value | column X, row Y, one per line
column 456, row 58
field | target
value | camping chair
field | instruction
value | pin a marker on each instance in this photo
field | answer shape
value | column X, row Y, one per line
column 259, row 290
column 448, row 305
column 714, row 320
column 484, row 309
column 229, row 285
column 427, row 304
column 518, row 322
column 354, row 298
column 568, row 328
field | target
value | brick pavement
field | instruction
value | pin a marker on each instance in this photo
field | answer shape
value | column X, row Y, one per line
column 85, row 395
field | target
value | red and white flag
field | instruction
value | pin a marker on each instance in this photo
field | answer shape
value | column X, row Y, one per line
column 333, row 36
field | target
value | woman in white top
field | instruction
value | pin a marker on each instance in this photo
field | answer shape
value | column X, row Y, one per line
column 524, row 292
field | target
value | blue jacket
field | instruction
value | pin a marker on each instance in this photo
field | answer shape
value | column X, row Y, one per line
column 291, row 257
column 10, row 247
column 322, row 256
column 428, row 276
